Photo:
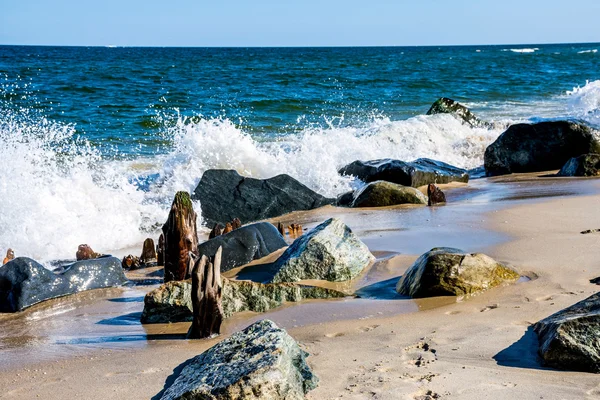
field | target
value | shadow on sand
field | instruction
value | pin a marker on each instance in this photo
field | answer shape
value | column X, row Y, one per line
column 171, row 378
column 522, row 354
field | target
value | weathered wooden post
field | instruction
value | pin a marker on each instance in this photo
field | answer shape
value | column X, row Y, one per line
column 207, row 291
column 435, row 195
column 180, row 238
column 160, row 251
column 148, row 252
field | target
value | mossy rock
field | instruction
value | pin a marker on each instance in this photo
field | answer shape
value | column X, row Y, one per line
column 452, row 272
column 383, row 194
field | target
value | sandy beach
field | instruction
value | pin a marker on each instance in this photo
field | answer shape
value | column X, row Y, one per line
column 91, row 345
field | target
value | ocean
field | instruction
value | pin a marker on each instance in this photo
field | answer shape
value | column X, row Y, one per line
column 95, row 141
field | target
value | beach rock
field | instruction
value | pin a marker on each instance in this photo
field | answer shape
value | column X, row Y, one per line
column 260, row 362
column 243, row 245
column 172, row 301
column 24, row 282
column 595, row 281
column 542, row 146
column 180, row 238
column 570, row 339
column 330, row 252
column 451, row 272
column 225, row 195
column 345, row 199
column 417, row 173
column 435, row 195
column 584, row 165
column 449, row 106
column 131, row 262
column 383, row 194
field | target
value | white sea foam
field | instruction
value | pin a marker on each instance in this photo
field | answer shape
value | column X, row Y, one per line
column 56, row 195
column 522, row 50
column 587, row 51
column 584, row 102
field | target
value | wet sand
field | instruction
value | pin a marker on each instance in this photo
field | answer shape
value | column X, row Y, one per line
column 92, row 345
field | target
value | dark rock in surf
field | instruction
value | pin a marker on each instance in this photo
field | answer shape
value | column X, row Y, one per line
column 584, row 165
column 449, row 106
column 383, row 194
column 24, row 282
column 539, row 147
column 260, row 362
column 570, row 339
column 243, row 245
column 172, row 302
column 85, row 252
column 345, row 199
column 225, row 195
column 417, row 173
column 435, row 195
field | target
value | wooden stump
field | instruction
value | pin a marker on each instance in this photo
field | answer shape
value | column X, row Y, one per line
column 85, row 252
column 148, row 252
column 236, row 224
column 281, row 229
column 435, row 195
column 217, row 230
column 180, row 238
column 160, row 250
column 10, row 255
column 207, row 291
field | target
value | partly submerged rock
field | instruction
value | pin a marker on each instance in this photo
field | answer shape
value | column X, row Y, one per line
column 435, row 195
column 539, row 147
column 383, row 194
column 24, row 282
column 451, row 272
column 260, row 362
column 243, row 245
column 417, row 173
column 172, row 301
column 584, row 165
column 225, row 195
column 445, row 105
column 329, row 252
column 570, row 339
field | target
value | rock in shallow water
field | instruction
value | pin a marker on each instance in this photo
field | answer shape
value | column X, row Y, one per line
column 172, row 301
column 383, row 194
column 570, row 339
column 329, row 252
column 244, row 245
column 539, row 147
column 584, row 165
column 417, row 173
column 225, row 195
column 260, row 362
column 24, row 282
column 448, row 106
column 452, row 272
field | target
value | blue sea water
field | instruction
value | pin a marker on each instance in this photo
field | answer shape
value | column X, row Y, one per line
column 95, row 141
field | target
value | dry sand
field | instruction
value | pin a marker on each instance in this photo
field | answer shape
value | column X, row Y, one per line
column 481, row 347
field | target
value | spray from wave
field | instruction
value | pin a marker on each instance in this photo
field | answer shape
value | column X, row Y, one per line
column 584, row 102
column 58, row 192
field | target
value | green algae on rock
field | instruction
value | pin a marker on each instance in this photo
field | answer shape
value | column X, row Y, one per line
column 451, row 272
column 383, row 194
column 172, row 301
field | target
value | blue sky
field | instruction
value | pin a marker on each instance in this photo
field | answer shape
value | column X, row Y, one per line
column 297, row 23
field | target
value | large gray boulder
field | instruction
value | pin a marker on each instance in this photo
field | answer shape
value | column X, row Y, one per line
column 329, row 252
column 243, row 245
column 172, row 302
column 570, row 339
column 584, row 165
column 451, row 272
column 383, row 194
column 445, row 105
column 418, row 173
column 24, row 282
column 539, row 147
column 260, row 362
column 225, row 195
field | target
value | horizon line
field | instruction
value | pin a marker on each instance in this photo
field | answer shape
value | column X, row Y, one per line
column 297, row 46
